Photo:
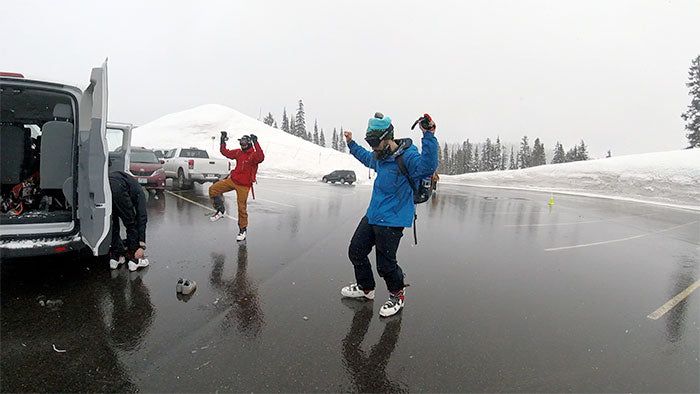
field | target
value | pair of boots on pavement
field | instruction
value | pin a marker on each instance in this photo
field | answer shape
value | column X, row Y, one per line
column 390, row 308
column 117, row 259
column 243, row 230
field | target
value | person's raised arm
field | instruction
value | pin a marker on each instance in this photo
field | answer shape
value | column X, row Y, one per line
column 363, row 155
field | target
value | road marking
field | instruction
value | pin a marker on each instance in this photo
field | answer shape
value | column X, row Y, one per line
column 199, row 205
column 674, row 301
column 275, row 202
column 619, row 239
column 581, row 222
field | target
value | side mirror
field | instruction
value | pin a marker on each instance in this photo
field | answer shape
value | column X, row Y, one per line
column 161, row 161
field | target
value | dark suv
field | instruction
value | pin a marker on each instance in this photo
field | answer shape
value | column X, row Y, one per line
column 341, row 176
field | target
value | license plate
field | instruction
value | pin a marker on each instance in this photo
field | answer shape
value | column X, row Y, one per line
column 143, row 180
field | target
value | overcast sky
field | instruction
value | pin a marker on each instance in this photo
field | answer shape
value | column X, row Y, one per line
column 610, row 72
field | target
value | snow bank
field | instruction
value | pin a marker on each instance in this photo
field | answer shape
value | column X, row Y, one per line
column 662, row 177
column 285, row 155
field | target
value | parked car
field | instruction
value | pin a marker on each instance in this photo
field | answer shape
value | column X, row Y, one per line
column 147, row 169
column 53, row 178
column 189, row 165
column 341, row 176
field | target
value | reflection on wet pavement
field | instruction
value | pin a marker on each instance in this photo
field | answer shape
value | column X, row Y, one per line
column 488, row 309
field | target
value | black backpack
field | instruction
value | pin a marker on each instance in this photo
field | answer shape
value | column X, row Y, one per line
column 421, row 193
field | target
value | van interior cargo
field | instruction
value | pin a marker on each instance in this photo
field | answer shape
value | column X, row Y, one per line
column 37, row 155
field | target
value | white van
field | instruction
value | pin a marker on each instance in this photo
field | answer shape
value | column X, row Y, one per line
column 54, row 161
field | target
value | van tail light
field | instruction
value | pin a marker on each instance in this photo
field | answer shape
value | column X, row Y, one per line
column 190, row 164
column 60, row 249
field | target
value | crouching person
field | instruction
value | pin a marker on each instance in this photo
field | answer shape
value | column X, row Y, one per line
column 129, row 206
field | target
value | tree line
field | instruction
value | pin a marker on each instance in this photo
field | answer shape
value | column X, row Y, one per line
column 494, row 156
column 296, row 126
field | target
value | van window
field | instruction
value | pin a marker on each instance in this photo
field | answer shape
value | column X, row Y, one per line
column 114, row 139
column 194, row 153
column 170, row 154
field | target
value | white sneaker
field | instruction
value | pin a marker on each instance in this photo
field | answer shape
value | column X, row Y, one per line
column 241, row 236
column 394, row 305
column 114, row 264
column 354, row 291
column 218, row 215
column 134, row 266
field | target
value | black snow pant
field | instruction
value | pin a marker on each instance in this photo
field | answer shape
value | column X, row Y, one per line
column 123, row 209
column 386, row 240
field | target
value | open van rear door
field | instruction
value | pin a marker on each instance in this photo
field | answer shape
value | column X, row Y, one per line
column 94, row 195
column 119, row 145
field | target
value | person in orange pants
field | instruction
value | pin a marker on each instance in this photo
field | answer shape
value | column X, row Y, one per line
column 240, row 179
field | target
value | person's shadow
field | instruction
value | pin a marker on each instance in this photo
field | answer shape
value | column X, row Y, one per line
column 240, row 294
column 368, row 372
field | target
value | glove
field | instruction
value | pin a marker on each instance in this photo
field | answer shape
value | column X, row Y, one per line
column 253, row 138
column 224, row 137
column 427, row 124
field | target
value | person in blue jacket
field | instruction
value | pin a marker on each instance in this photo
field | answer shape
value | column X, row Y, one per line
column 391, row 207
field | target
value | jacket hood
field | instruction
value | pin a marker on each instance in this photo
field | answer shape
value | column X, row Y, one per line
column 404, row 144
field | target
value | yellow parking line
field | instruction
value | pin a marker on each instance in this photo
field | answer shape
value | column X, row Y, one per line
column 198, row 204
column 617, row 240
column 673, row 301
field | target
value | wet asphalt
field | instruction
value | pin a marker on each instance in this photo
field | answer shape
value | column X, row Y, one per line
column 507, row 294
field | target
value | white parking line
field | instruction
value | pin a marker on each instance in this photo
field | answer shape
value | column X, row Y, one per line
column 199, row 205
column 673, row 301
column 581, row 222
column 618, row 240
column 275, row 202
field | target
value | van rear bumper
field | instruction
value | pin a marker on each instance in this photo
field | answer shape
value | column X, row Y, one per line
column 40, row 246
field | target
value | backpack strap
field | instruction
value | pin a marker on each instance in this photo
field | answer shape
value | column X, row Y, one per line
column 402, row 168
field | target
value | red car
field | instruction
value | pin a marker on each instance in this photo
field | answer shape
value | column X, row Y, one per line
column 147, row 169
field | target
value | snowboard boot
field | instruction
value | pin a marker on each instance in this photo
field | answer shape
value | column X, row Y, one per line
column 394, row 305
column 354, row 291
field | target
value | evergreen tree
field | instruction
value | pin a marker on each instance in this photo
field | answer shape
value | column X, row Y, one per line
column 446, row 158
column 334, row 143
column 513, row 160
column 692, row 115
column 341, row 140
column 292, row 126
column 315, row 136
column 525, row 153
column 300, row 123
column 322, row 139
column 496, row 155
column 486, row 156
column 441, row 164
column 538, row 157
column 467, row 149
column 572, row 154
column 609, row 154
column 476, row 165
column 275, row 125
column 269, row 120
column 559, row 155
column 285, row 121
column 504, row 160
column 582, row 152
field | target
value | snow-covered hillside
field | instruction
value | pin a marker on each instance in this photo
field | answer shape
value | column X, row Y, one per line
column 285, row 155
column 662, row 177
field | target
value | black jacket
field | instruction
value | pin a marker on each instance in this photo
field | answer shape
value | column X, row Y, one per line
column 129, row 204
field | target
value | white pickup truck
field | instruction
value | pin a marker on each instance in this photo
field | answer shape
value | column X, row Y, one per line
column 189, row 165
